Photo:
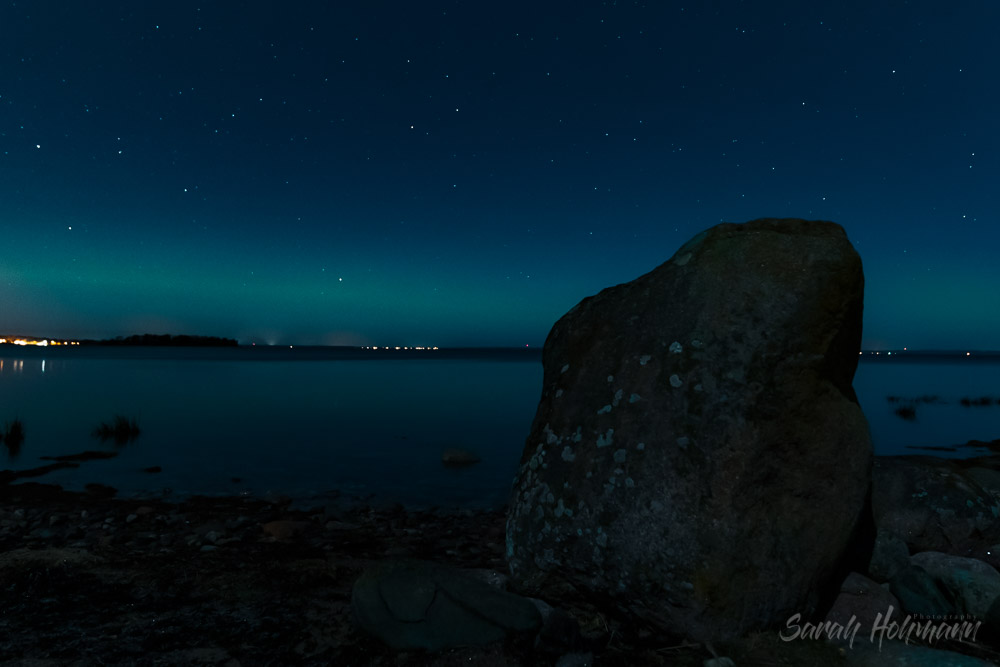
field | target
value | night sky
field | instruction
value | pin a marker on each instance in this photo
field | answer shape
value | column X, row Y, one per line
column 463, row 173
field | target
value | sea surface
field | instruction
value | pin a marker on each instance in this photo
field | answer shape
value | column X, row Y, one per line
column 312, row 422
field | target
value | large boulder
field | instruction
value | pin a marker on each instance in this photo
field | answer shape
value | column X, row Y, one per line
column 698, row 458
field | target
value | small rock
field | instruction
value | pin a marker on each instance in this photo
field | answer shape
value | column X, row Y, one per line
column 494, row 578
column 100, row 490
column 208, row 547
column 560, row 632
column 416, row 604
column 861, row 600
column 397, row 552
column 277, row 499
column 576, row 660
column 283, row 529
column 719, row 662
column 131, row 517
column 458, row 457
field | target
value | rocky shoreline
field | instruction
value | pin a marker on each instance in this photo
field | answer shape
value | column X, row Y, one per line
column 89, row 579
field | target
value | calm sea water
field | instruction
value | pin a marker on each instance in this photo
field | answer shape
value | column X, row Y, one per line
column 306, row 422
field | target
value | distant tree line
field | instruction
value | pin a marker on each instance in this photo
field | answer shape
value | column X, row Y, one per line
column 165, row 340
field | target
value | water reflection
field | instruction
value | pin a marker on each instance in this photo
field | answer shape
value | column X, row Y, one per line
column 12, row 436
column 13, row 366
column 16, row 366
column 121, row 430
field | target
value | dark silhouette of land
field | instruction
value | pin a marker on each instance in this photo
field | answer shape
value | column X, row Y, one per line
column 165, row 340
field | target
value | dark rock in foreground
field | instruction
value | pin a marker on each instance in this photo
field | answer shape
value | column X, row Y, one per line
column 972, row 584
column 935, row 504
column 920, row 593
column 861, row 600
column 412, row 604
column 193, row 583
column 698, row 457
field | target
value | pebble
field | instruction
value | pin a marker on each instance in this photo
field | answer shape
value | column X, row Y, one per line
column 576, row 660
column 719, row 662
column 131, row 517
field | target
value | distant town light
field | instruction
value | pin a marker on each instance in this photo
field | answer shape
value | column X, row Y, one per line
column 37, row 342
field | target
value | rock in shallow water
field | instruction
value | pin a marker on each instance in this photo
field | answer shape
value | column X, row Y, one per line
column 458, row 457
column 698, row 456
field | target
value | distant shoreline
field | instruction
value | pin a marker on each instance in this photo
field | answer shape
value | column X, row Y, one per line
column 272, row 353
column 186, row 341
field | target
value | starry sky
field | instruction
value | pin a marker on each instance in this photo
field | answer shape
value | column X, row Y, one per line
column 463, row 173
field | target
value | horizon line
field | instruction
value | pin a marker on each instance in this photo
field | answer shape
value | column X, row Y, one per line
column 904, row 351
